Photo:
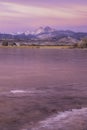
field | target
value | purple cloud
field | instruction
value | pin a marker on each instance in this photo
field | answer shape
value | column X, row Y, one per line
column 23, row 14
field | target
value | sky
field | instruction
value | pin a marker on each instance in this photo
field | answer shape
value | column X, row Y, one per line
column 23, row 15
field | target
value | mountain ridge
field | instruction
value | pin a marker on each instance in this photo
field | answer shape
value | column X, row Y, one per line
column 45, row 35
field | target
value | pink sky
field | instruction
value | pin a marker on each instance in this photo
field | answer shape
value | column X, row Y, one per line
column 22, row 15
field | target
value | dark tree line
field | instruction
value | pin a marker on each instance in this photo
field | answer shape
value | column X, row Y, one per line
column 6, row 43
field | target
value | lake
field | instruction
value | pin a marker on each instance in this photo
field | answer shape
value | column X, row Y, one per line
column 42, row 88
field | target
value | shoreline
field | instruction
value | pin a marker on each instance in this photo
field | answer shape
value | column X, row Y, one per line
column 44, row 47
column 38, row 46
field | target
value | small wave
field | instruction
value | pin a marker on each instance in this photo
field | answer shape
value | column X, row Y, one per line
column 17, row 91
column 25, row 91
column 68, row 120
column 20, row 91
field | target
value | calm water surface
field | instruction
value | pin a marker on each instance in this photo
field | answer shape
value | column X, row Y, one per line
column 26, row 68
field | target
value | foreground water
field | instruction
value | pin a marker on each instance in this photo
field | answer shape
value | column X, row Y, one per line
column 37, row 84
column 69, row 120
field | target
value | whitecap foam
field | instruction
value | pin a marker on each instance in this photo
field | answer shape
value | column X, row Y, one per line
column 26, row 91
column 68, row 120
column 18, row 91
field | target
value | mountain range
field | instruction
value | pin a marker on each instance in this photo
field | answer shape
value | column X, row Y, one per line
column 45, row 35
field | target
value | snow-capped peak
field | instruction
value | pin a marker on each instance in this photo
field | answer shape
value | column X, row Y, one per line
column 27, row 32
column 18, row 33
column 41, row 30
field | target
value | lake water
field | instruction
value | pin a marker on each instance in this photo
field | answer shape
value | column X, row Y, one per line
column 38, row 83
column 24, row 68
